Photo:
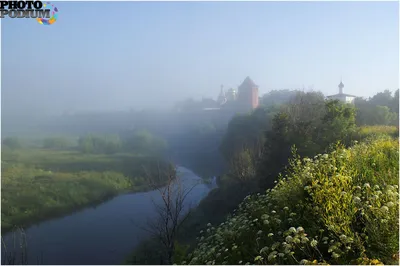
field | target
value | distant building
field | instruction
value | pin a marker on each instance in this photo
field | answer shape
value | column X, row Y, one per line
column 248, row 95
column 222, row 98
column 231, row 95
column 245, row 100
column 346, row 98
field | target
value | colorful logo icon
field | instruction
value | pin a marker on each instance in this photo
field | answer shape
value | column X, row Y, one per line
column 54, row 15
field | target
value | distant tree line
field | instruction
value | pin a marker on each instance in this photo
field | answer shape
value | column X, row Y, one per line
column 140, row 142
column 381, row 109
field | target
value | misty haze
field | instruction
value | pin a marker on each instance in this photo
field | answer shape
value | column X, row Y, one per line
column 201, row 133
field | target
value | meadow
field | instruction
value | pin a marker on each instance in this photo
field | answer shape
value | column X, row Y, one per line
column 38, row 184
column 340, row 207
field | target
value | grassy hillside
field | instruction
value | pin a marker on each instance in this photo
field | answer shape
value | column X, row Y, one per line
column 37, row 184
column 336, row 208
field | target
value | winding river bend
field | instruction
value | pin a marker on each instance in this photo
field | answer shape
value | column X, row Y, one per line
column 105, row 234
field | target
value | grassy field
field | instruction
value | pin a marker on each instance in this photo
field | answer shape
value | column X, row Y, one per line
column 39, row 184
column 336, row 208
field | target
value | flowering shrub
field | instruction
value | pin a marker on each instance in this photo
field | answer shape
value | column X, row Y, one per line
column 337, row 208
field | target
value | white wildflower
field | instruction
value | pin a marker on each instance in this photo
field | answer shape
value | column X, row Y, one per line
column 304, row 239
column 258, row 258
column 356, row 199
column 314, row 243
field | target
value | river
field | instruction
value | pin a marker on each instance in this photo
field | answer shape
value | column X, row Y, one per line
column 105, row 234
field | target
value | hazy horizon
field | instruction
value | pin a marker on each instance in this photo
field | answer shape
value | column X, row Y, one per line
column 153, row 54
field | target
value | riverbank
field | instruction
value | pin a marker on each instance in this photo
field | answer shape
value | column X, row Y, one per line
column 40, row 184
column 85, row 238
column 214, row 208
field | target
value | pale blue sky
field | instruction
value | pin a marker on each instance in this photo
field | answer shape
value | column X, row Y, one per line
column 117, row 55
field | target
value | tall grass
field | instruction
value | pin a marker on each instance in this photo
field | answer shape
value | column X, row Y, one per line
column 366, row 131
column 336, row 208
column 40, row 184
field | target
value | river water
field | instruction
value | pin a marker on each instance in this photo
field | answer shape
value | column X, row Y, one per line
column 105, row 234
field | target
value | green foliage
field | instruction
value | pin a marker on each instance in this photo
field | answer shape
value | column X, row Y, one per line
column 57, row 143
column 246, row 131
column 385, row 98
column 148, row 252
column 38, row 184
column 338, row 123
column 99, row 144
column 278, row 97
column 371, row 131
column 243, row 166
column 180, row 252
column 309, row 123
column 338, row 208
column 11, row 143
column 143, row 141
column 381, row 109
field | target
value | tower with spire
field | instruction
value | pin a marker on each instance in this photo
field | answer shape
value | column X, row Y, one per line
column 222, row 98
column 343, row 97
column 341, row 86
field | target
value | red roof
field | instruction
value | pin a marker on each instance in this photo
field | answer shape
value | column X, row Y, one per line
column 248, row 83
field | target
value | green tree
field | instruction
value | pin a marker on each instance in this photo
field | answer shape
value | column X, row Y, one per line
column 278, row 97
column 56, row 143
column 338, row 123
column 11, row 143
column 247, row 131
column 310, row 124
column 142, row 141
column 99, row 144
column 382, row 98
column 381, row 109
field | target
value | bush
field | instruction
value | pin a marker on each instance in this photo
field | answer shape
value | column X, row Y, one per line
column 56, row 143
column 144, row 142
column 11, row 143
column 337, row 208
column 99, row 144
column 368, row 131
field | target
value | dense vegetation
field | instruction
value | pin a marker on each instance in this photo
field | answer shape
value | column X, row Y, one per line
column 381, row 109
column 39, row 183
column 253, row 151
column 336, row 208
column 258, row 147
column 298, row 221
